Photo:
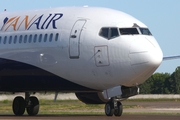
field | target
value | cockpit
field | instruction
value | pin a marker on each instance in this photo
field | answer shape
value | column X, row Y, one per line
column 113, row 32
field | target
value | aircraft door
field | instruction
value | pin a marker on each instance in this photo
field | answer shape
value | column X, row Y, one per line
column 75, row 37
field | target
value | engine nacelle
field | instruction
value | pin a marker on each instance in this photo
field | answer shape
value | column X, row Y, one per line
column 118, row 92
column 91, row 97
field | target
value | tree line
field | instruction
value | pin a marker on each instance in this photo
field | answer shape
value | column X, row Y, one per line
column 162, row 83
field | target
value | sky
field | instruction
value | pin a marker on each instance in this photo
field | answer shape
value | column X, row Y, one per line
column 161, row 16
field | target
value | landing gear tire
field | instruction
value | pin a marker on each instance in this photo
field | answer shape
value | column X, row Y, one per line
column 33, row 106
column 18, row 106
column 109, row 109
column 118, row 112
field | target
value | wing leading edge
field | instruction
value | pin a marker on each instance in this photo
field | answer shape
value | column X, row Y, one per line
column 171, row 57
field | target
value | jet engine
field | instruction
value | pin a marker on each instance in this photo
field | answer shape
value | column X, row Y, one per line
column 119, row 93
column 91, row 97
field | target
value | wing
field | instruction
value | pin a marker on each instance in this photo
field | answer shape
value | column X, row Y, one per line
column 171, row 57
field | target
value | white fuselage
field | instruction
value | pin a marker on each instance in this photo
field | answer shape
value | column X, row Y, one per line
column 67, row 43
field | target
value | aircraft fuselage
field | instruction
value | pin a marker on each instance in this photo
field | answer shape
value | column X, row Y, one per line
column 74, row 49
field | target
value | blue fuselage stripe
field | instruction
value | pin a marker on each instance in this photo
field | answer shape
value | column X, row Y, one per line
column 19, row 77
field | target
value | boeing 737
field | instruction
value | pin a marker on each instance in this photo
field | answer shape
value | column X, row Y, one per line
column 100, row 54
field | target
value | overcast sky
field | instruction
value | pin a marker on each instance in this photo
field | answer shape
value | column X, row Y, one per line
column 161, row 16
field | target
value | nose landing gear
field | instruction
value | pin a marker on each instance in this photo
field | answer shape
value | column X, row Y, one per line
column 113, row 107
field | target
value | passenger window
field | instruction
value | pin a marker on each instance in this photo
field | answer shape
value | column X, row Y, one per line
column 20, row 39
column 104, row 32
column 51, row 37
column 15, row 39
column 5, row 38
column 40, row 37
column 57, row 37
column 35, row 38
column 25, row 39
column 30, row 38
column 45, row 37
column 10, row 39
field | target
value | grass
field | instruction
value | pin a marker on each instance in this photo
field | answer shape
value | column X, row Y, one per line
column 58, row 107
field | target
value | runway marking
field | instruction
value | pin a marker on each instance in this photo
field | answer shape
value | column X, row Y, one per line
column 168, row 109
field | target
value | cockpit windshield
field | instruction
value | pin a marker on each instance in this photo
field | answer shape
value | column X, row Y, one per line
column 114, row 32
column 145, row 31
column 109, row 32
column 128, row 31
column 134, row 31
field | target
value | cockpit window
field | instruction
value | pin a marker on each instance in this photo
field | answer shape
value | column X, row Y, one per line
column 113, row 33
column 104, row 32
column 145, row 31
column 128, row 31
column 109, row 33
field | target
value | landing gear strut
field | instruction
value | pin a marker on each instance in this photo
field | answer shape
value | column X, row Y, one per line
column 30, row 103
column 113, row 107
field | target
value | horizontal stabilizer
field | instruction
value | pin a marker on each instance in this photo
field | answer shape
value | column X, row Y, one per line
column 171, row 57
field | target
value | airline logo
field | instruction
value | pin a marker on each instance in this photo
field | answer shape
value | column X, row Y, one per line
column 26, row 22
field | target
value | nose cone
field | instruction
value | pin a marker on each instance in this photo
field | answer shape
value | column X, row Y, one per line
column 155, row 56
column 146, row 56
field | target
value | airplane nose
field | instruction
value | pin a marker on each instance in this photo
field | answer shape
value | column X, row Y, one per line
column 155, row 56
column 146, row 56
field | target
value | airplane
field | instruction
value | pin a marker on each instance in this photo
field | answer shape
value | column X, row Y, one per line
column 100, row 54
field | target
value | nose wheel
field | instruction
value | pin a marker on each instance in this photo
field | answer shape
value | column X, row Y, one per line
column 113, row 108
column 119, row 110
column 31, row 104
column 109, row 109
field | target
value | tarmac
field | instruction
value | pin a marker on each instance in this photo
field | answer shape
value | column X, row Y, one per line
column 89, row 117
